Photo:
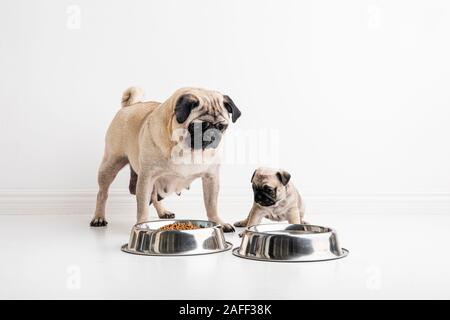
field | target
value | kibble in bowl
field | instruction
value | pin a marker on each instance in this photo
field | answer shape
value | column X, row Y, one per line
column 179, row 226
column 176, row 238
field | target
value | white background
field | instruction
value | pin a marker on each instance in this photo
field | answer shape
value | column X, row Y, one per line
column 357, row 91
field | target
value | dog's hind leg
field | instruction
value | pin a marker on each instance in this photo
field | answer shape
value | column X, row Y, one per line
column 110, row 166
column 162, row 212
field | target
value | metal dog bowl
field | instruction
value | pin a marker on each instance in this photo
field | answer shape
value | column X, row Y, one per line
column 290, row 243
column 147, row 239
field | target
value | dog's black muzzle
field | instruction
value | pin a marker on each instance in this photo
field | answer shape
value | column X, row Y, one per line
column 204, row 135
column 264, row 199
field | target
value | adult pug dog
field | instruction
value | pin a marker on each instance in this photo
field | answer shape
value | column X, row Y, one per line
column 275, row 198
column 160, row 141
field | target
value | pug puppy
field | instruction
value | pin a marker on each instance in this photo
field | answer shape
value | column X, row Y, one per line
column 167, row 146
column 275, row 198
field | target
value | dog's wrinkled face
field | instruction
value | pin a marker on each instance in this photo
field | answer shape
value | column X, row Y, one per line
column 205, row 115
column 269, row 186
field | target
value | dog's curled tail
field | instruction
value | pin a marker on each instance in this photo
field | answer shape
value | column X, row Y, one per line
column 131, row 96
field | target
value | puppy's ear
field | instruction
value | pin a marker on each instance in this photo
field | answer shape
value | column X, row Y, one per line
column 251, row 180
column 184, row 106
column 284, row 177
column 231, row 107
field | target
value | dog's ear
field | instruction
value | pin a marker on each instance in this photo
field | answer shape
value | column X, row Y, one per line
column 184, row 106
column 251, row 180
column 284, row 177
column 231, row 108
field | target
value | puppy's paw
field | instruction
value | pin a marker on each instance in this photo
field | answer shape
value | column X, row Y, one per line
column 167, row 215
column 227, row 227
column 240, row 224
column 99, row 222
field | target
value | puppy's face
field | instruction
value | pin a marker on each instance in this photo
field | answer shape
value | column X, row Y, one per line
column 205, row 115
column 269, row 186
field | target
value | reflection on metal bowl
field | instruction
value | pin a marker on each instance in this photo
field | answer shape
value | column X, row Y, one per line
column 290, row 243
column 147, row 239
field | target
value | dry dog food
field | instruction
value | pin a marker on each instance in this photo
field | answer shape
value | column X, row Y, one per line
column 179, row 226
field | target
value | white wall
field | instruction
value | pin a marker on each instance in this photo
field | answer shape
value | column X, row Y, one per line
column 357, row 90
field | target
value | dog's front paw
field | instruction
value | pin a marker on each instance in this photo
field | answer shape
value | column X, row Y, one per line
column 99, row 222
column 227, row 227
column 240, row 224
column 167, row 215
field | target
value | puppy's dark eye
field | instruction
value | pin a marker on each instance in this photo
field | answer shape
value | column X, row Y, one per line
column 270, row 190
column 221, row 126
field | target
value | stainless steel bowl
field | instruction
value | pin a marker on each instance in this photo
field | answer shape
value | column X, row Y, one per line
column 290, row 243
column 147, row 239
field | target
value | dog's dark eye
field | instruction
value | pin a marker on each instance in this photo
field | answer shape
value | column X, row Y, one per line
column 205, row 125
column 221, row 126
column 270, row 190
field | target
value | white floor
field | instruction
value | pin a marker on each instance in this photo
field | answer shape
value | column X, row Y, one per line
column 391, row 256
